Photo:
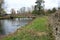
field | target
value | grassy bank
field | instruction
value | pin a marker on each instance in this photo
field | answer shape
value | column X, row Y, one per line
column 36, row 30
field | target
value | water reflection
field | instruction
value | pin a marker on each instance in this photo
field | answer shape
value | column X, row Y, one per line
column 11, row 25
column 1, row 28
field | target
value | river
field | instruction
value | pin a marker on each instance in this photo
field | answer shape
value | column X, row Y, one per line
column 8, row 26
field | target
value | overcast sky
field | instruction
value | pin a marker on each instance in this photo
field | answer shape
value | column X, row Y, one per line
column 17, row 4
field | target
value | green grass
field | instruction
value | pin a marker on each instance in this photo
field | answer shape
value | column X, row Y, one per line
column 38, row 25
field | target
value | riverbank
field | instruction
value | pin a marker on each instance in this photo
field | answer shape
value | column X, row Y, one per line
column 27, row 15
column 37, row 30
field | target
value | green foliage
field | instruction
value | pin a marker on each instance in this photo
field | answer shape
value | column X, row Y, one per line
column 53, row 10
column 38, row 12
column 35, row 12
column 49, row 11
column 42, row 12
column 38, row 7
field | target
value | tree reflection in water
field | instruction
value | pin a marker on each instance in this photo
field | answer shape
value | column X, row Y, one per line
column 1, row 28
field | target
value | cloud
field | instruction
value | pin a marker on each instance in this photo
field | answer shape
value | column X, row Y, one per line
column 20, row 3
column 17, row 4
column 50, row 4
column 58, row 3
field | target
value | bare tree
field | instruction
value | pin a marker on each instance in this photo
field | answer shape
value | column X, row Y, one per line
column 1, row 4
column 22, row 10
column 18, row 12
column 13, row 11
column 29, row 10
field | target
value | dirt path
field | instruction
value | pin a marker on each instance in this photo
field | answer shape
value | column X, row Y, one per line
column 2, row 36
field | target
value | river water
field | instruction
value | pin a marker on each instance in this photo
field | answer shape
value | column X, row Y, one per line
column 8, row 26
